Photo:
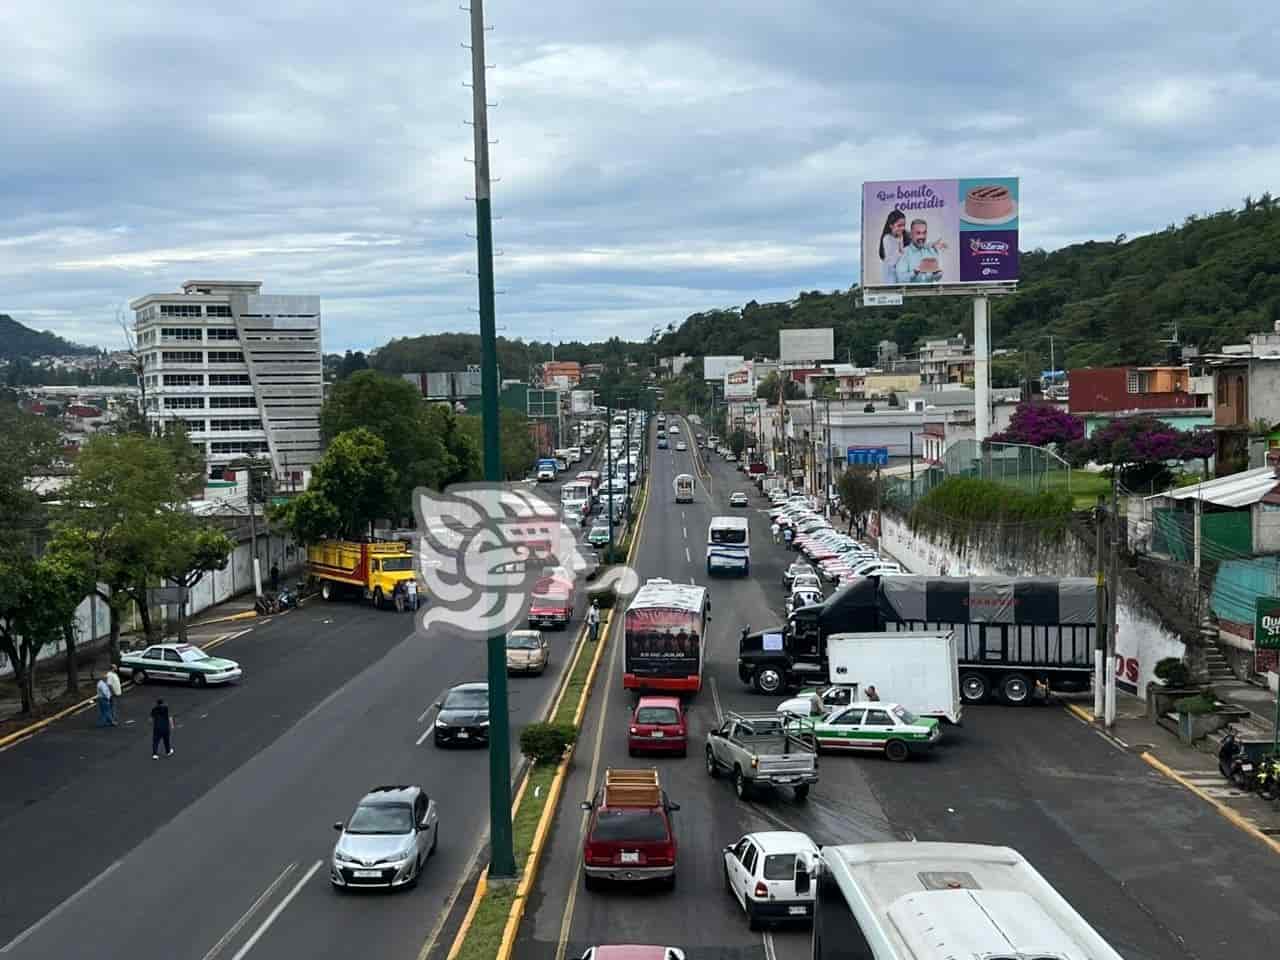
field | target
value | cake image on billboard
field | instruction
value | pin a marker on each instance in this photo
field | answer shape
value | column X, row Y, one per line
column 988, row 203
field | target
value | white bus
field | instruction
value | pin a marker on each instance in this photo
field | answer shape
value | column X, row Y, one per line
column 684, row 488
column 937, row 901
column 729, row 545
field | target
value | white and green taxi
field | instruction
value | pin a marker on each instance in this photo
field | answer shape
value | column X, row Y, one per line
column 182, row 662
column 871, row 725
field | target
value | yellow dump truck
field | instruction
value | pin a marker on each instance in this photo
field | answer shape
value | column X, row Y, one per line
column 373, row 568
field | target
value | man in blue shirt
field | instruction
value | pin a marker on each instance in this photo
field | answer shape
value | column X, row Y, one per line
column 921, row 253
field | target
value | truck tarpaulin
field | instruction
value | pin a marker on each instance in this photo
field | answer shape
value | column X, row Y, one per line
column 1010, row 600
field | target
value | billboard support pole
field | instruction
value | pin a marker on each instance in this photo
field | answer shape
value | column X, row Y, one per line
column 981, row 370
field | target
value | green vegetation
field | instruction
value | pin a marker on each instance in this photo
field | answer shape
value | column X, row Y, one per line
column 19, row 340
column 353, row 484
column 960, row 505
column 546, row 742
column 1197, row 706
column 518, row 450
column 858, row 492
column 1173, row 672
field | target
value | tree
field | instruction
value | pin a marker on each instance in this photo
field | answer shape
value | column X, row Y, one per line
column 352, row 485
column 1141, row 449
column 518, row 450
column 1006, row 371
column 737, row 442
column 767, row 389
column 64, row 578
column 1041, row 424
column 858, row 491
column 194, row 550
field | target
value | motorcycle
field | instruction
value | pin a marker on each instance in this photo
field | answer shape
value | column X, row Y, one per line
column 1234, row 762
column 1267, row 780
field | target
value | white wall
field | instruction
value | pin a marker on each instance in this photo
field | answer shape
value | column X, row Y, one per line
column 1141, row 641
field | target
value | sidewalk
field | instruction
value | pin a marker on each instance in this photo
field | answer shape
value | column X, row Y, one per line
column 1194, row 768
column 51, row 677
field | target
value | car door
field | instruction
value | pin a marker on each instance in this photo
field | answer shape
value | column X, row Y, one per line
column 174, row 668
column 878, row 727
column 750, row 861
column 720, row 746
column 152, row 662
column 842, row 731
column 421, row 829
column 733, row 867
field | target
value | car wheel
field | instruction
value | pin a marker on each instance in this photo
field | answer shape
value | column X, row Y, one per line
column 435, row 840
column 631, row 751
column 896, row 751
column 973, row 688
column 1015, row 690
column 139, row 677
column 740, row 785
column 439, row 742
column 712, row 767
column 768, row 681
column 589, row 882
column 671, row 882
column 802, row 792
column 753, row 922
column 198, row 680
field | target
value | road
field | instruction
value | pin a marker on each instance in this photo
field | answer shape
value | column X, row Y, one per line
column 1155, row 870
column 221, row 851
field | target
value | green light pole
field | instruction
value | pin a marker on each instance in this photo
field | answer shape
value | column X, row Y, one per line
column 502, row 863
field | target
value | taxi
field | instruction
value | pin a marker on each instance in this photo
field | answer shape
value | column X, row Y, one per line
column 874, row 727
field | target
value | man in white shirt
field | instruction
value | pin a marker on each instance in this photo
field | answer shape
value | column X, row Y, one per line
column 113, row 682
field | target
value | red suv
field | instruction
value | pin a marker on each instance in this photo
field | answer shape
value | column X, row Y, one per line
column 630, row 836
column 658, row 726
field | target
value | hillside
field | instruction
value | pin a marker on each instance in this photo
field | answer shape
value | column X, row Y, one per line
column 17, row 340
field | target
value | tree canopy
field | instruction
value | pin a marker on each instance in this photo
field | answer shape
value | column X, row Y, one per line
column 352, row 485
column 1040, row 424
column 1141, row 448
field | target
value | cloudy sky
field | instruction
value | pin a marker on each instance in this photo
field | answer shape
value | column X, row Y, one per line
column 656, row 158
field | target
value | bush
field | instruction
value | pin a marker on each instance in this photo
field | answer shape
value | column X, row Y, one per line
column 605, row 596
column 1198, row 705
column 957, row 506
column 1173, row 672
column 547, row 742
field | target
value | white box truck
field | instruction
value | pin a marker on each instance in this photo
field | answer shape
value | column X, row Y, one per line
column 916, row 669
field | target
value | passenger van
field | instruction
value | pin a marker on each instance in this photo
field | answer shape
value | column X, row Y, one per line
column 729, row 545
column 684, row 488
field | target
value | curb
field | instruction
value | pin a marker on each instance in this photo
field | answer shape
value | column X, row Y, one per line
column 246, row 615
column 1230, row 815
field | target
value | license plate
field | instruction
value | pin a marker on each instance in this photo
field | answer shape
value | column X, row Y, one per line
column 463, row 735
column 786, row 780
column 366, row 873
column 631, row 857
column 797, row 911
column 1246, row 767
column 657, row 734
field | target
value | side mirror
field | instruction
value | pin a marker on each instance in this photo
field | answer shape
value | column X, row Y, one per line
column 586, row 804
column 439, row 704
column 673, row 807
column 338, row 826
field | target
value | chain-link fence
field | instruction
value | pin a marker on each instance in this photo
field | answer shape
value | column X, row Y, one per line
column 1027, row 468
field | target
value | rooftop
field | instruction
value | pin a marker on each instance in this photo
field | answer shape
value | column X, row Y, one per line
column 1237, row 490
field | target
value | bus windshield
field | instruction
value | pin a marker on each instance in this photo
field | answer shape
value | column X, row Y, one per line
column 721, row 535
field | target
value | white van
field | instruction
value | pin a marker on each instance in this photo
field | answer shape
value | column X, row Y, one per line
column 729, row 545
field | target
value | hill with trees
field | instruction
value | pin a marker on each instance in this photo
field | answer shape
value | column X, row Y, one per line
column 18, row 340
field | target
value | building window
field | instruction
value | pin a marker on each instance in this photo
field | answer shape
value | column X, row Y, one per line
column 223, row 333
column 238, row 446
column 181, row 333
column 234, row 426
column 226, row 356
column 231, row 403
column 217, row 310
column 184, row 379
column 184, row 403
column 228, row 380
column 179, row 309
column 182, row 356
column 194, row 426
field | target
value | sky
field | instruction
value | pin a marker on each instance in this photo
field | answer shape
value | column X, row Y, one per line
column 656, row 158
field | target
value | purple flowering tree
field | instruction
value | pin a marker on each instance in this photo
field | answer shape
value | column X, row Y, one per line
column 1142, row 448
column 1040, row 424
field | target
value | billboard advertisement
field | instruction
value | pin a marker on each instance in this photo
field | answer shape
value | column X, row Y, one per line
column 663, row 642
column 581, row 401
column 714, row 368
column 932, row 232
column 740, row 382
column 807, row 346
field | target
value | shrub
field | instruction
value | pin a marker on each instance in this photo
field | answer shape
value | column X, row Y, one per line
column 606, row 596
column 547, row 742
column 1173, row 672
column 1198, row 705
column 957, row 506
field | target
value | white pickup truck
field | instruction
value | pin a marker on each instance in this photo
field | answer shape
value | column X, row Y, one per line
column 757, row 751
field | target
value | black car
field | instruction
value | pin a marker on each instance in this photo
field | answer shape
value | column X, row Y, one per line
column 462, row 716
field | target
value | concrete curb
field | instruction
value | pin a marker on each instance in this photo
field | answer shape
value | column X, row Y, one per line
column 1230, row 815
column 246, row 615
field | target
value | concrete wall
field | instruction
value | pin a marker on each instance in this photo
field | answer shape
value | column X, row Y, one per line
column 1141, row 640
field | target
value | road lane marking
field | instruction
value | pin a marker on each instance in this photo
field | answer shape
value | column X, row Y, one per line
column 432, row 705
column 52, row 914
column 280, row 907
column 687, row 557
column 225, row 637
column 244, row 918
column 773, row 818
column 715, row 699
column 685, row 531
column 769, row 953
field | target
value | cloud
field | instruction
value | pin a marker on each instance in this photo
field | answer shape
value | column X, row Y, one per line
column 655, row 159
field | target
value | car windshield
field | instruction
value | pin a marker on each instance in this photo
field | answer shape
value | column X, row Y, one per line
column 396, row 564
column 384, row 818
column 660, row 715
column 780, row 866
column 903, row 714
column 467, row 700
column 629, row 825
column 193, row 655
column 522, row 641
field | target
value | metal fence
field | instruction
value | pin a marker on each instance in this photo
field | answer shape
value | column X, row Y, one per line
column 1027, row 468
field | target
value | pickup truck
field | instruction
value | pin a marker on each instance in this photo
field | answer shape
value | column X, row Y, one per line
column 758, row 751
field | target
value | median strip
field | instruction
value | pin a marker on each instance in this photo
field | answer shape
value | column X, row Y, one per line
column 492, row 921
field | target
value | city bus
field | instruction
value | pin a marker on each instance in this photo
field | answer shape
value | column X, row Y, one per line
column 936, row 901
column 663, row 635
column 684, row 488
column 729, row 545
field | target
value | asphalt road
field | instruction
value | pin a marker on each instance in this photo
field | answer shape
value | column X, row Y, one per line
column 1153, row 868
column 221, row 851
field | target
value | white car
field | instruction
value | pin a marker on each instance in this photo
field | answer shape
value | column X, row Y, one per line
column 737, row 499
column 807, row 582
column 768, row 873
column 681, row 446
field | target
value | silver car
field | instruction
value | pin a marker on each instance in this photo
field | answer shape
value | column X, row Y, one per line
column 385, row 843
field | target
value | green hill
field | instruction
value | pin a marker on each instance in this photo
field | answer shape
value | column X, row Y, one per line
column 17, row 340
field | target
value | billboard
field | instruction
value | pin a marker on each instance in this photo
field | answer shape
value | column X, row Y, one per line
column 581, row 401
column 740, row 382
column 714, row 368
column 934, row 232
column 807, row 346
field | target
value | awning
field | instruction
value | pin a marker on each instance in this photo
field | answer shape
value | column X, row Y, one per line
column 1237, row 490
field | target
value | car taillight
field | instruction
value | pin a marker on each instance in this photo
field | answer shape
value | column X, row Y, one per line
column 634, row 730
column 762, row 888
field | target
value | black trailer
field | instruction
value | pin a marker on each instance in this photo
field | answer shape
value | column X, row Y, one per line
column 1013, row 633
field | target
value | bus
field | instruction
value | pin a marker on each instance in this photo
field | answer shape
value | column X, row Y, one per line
column 936, row 901
column 729, row 545
column 684, row 488
column 662, row 637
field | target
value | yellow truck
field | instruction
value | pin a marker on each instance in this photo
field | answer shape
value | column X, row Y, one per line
column 373, row 567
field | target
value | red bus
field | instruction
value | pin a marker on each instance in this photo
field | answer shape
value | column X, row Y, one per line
column 664, row 631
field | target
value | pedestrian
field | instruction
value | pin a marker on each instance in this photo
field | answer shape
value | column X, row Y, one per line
column 113, row 681
column 593, row 620
column 104, row 702
column 775, row 530
column 871, row 692
column 412, row 587
column 788, row 535
column 275, row 578
column 161, row 730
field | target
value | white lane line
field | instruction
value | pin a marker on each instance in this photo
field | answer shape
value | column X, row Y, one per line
column 432, row 705
column 768, row 946
column 685, row 531
column 715, row 699
column 271, row 917
column 687, row 557
column 239, row 924
column 60, row 907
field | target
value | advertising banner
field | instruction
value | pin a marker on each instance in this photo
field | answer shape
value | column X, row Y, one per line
column 714, row 368
column 740, row 382
column 581, row 401
column 662, row 641
column 934, row 232
column 1266, row 625
column 807, row 346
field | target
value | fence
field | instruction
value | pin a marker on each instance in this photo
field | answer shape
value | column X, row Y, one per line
column 1028, row 468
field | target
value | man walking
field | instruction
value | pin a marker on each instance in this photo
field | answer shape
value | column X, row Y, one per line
column 161, row 730
column 113, row 682
column 412, row 587
column 775, row 530
column 104, row 702
column 593, row 620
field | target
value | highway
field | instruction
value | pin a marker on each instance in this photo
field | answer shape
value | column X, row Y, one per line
column 1154, row 869
column 221, row 851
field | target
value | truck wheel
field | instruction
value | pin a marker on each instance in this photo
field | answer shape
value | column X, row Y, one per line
column 802, row 793
column 896, row 750
column 1015, row 689
column 326, row 589
column 973, row 687
column 740, row 785
column 768, row 681
column 713, row 769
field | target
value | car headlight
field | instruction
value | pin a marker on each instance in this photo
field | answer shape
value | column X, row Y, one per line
column 441, row 723
column 343, row 857
column 484, row 723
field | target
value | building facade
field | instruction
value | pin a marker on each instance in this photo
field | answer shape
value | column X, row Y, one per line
column 1171, row 394
column 1246, row 383
column 946, row 361
column 241, row 369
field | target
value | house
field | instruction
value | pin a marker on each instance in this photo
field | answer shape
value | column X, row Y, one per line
column 1169, row 393
column 946, row 361
column 1246, row 385
column 561, row 374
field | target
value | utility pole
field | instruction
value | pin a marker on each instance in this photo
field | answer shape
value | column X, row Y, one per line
column 826, row 496
column 1109, row 707
column 502, row 862
column 1100, row 613
column 608, row 497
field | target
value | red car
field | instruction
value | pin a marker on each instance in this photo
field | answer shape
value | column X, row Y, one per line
column 658, row 726
column 629, row 837
column 632, row 951
column 552, row 603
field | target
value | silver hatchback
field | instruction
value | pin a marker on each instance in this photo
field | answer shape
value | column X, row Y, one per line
column 387, row 840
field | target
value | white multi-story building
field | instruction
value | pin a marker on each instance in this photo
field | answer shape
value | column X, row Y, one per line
column 242, row 369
